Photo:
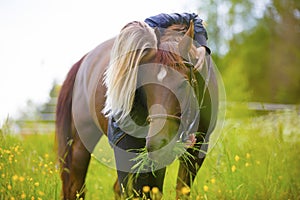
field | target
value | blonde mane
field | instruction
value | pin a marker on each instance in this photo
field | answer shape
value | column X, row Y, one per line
column 135, row 40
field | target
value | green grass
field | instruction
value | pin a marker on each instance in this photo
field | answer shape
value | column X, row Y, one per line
column 28, row 167
column 255, row 158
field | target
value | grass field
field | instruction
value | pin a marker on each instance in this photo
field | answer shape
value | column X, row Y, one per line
column 255, row 158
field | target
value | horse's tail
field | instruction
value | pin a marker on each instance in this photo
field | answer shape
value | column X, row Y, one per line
column 64, row 128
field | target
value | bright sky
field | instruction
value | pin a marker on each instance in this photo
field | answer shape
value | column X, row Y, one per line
column 40, row 40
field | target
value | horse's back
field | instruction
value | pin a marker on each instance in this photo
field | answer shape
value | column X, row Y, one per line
column 89, row 95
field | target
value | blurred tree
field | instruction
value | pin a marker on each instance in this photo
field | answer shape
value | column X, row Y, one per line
column 225, row 19
column 258, row 52
column 283, row 18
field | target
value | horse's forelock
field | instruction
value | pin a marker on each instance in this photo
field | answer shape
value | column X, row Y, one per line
column 168, row 52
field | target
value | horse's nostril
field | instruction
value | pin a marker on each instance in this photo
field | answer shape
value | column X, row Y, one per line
column 150, row 148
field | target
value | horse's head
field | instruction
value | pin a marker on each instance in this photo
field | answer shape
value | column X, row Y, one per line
column 154, row 98
column 171, row 102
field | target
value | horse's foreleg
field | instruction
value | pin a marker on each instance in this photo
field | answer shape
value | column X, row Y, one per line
column 187, row 173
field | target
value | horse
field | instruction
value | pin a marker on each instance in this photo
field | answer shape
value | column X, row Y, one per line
column 80, row 122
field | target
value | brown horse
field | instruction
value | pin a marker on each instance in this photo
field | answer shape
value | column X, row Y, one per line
column 161, row 104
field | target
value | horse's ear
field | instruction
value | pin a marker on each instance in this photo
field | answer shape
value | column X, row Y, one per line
column 157, row 33
column 186, row 43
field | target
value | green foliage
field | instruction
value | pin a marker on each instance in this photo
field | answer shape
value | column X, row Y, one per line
column 257, row 52
column 236, row 82
column 224, row 19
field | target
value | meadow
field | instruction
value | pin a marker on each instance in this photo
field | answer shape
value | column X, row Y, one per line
column 256, row 157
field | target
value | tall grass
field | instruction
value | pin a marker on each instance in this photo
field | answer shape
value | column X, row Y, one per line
column 255, row 158
column 28, row 168
column 258, row 158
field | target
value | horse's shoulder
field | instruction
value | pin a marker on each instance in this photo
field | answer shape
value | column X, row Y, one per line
column 89, row 77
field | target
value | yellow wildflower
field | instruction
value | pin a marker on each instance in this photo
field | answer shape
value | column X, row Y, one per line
column 247, row 164
column 23, row 196
column 233, row 168
column 248, row 155
column 236, row 158
column 7, row 151
column 146, row 189
column 21, row 178
column 17, row 148
column 12, row 198
column 185, row 190
column 15, row 177
column 9, row 187
column 155, row 190
column 205, row 188
column 36, row 184
column 213, row 180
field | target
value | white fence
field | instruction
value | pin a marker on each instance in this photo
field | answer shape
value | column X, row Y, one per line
column 272, row 106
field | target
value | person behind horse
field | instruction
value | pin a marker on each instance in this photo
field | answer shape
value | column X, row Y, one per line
column 164, row 20
column 137, row 44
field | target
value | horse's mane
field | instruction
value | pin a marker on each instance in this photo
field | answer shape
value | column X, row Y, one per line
column 135, row 40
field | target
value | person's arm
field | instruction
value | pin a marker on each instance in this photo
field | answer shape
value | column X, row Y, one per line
column 165, row 20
